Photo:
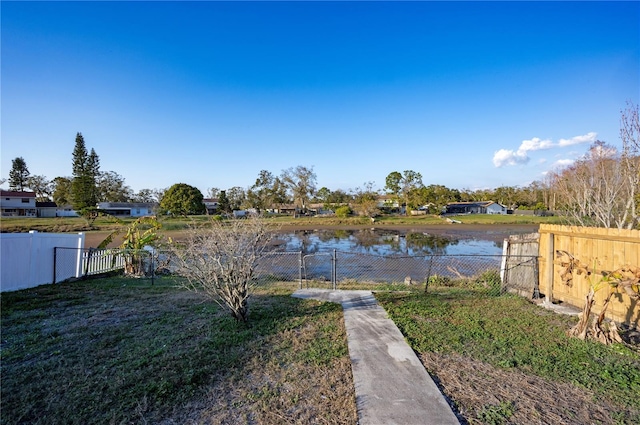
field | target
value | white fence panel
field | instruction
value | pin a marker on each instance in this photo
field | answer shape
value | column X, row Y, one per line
column 27, row 260
column 102, row 261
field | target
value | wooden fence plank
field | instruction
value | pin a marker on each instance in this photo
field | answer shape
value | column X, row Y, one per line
column 601, row 250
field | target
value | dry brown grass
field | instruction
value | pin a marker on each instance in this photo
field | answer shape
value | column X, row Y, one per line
column 126, row 351
column 477, row 387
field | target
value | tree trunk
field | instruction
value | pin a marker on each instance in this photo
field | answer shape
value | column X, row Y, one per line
column 580, row 329
column 609, row 335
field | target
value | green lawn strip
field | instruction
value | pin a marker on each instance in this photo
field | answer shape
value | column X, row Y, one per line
column 98, row 350
column 78, row 224
column 509, row 332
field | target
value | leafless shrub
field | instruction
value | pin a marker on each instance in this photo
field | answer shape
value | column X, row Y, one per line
column 219, row 261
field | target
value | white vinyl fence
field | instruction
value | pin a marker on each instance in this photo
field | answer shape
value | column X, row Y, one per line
column 76, row 263
column 27, row 259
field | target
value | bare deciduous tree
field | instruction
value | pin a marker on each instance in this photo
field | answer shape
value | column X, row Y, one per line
column 365, row 201
column 219, row 261
column 41, row 186
column 630, row 135
column 603, row 188
column 595, row 190
column 301, row 182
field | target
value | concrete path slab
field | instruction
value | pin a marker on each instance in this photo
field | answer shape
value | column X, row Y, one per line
column 391, row 385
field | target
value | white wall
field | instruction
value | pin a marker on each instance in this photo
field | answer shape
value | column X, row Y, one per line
column 143, row 212
column 26, row 259
column 66, row 213
column 496, row 209
column 16, row 202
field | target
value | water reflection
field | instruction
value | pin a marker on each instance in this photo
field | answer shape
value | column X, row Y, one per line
column 386, row 242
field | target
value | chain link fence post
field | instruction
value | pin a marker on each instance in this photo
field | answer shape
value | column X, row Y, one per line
column 334, row 278
column 300, row 268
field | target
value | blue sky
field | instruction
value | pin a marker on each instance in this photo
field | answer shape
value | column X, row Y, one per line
column 470, row 94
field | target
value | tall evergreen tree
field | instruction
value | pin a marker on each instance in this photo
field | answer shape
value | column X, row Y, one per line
column 80, row 156
column 93, row 175
column 86, row 168
column 18, row 175
column 223, row 202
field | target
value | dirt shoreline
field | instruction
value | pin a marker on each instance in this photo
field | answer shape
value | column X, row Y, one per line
column 493, row 232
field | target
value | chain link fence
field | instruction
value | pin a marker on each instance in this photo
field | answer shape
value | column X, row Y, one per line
column 494, row 274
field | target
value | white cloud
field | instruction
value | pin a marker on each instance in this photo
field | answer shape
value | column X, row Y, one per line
column 562, row 163
column 509, row 157
column 535, row 144
column 587, row 138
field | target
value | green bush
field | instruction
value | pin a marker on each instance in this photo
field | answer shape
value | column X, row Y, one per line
column 490, row 279
column 343, row 211
column 439, row 280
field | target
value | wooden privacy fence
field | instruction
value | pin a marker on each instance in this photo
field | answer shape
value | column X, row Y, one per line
column 600, row 249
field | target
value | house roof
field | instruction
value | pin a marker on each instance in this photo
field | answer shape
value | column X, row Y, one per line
column 16, row 194
column 470, row 204
column 287, row 206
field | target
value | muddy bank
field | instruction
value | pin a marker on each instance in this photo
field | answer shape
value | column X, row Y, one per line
column 492, row 232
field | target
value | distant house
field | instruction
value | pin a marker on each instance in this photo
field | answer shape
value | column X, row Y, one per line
column 211, row 204
column 318, row 209
column 286, row 209
column 46, row 209
column 128, row 209
column 484, row 207
column 18, row 204
column 388, row 202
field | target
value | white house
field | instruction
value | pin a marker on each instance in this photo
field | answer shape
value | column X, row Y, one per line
column 128, row 209
column 211, row 204
column 496, row 208
column 388, row 202
column 18, row 204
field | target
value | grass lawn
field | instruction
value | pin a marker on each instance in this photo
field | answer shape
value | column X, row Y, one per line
column 118, row 350
column 77, row 224
column 505, row 360
column 123, row 351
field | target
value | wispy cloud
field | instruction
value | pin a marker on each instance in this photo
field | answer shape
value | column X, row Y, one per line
column 562, row 163
column 587, row 138
column 504, row 157
column 535, row 144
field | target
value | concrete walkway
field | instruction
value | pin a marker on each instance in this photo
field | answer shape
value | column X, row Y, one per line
column 392, row 386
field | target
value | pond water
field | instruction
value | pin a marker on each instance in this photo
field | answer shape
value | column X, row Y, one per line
column 388, row 242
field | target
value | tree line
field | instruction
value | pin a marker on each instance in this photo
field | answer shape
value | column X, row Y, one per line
column 599, row 189
column 86, row 187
